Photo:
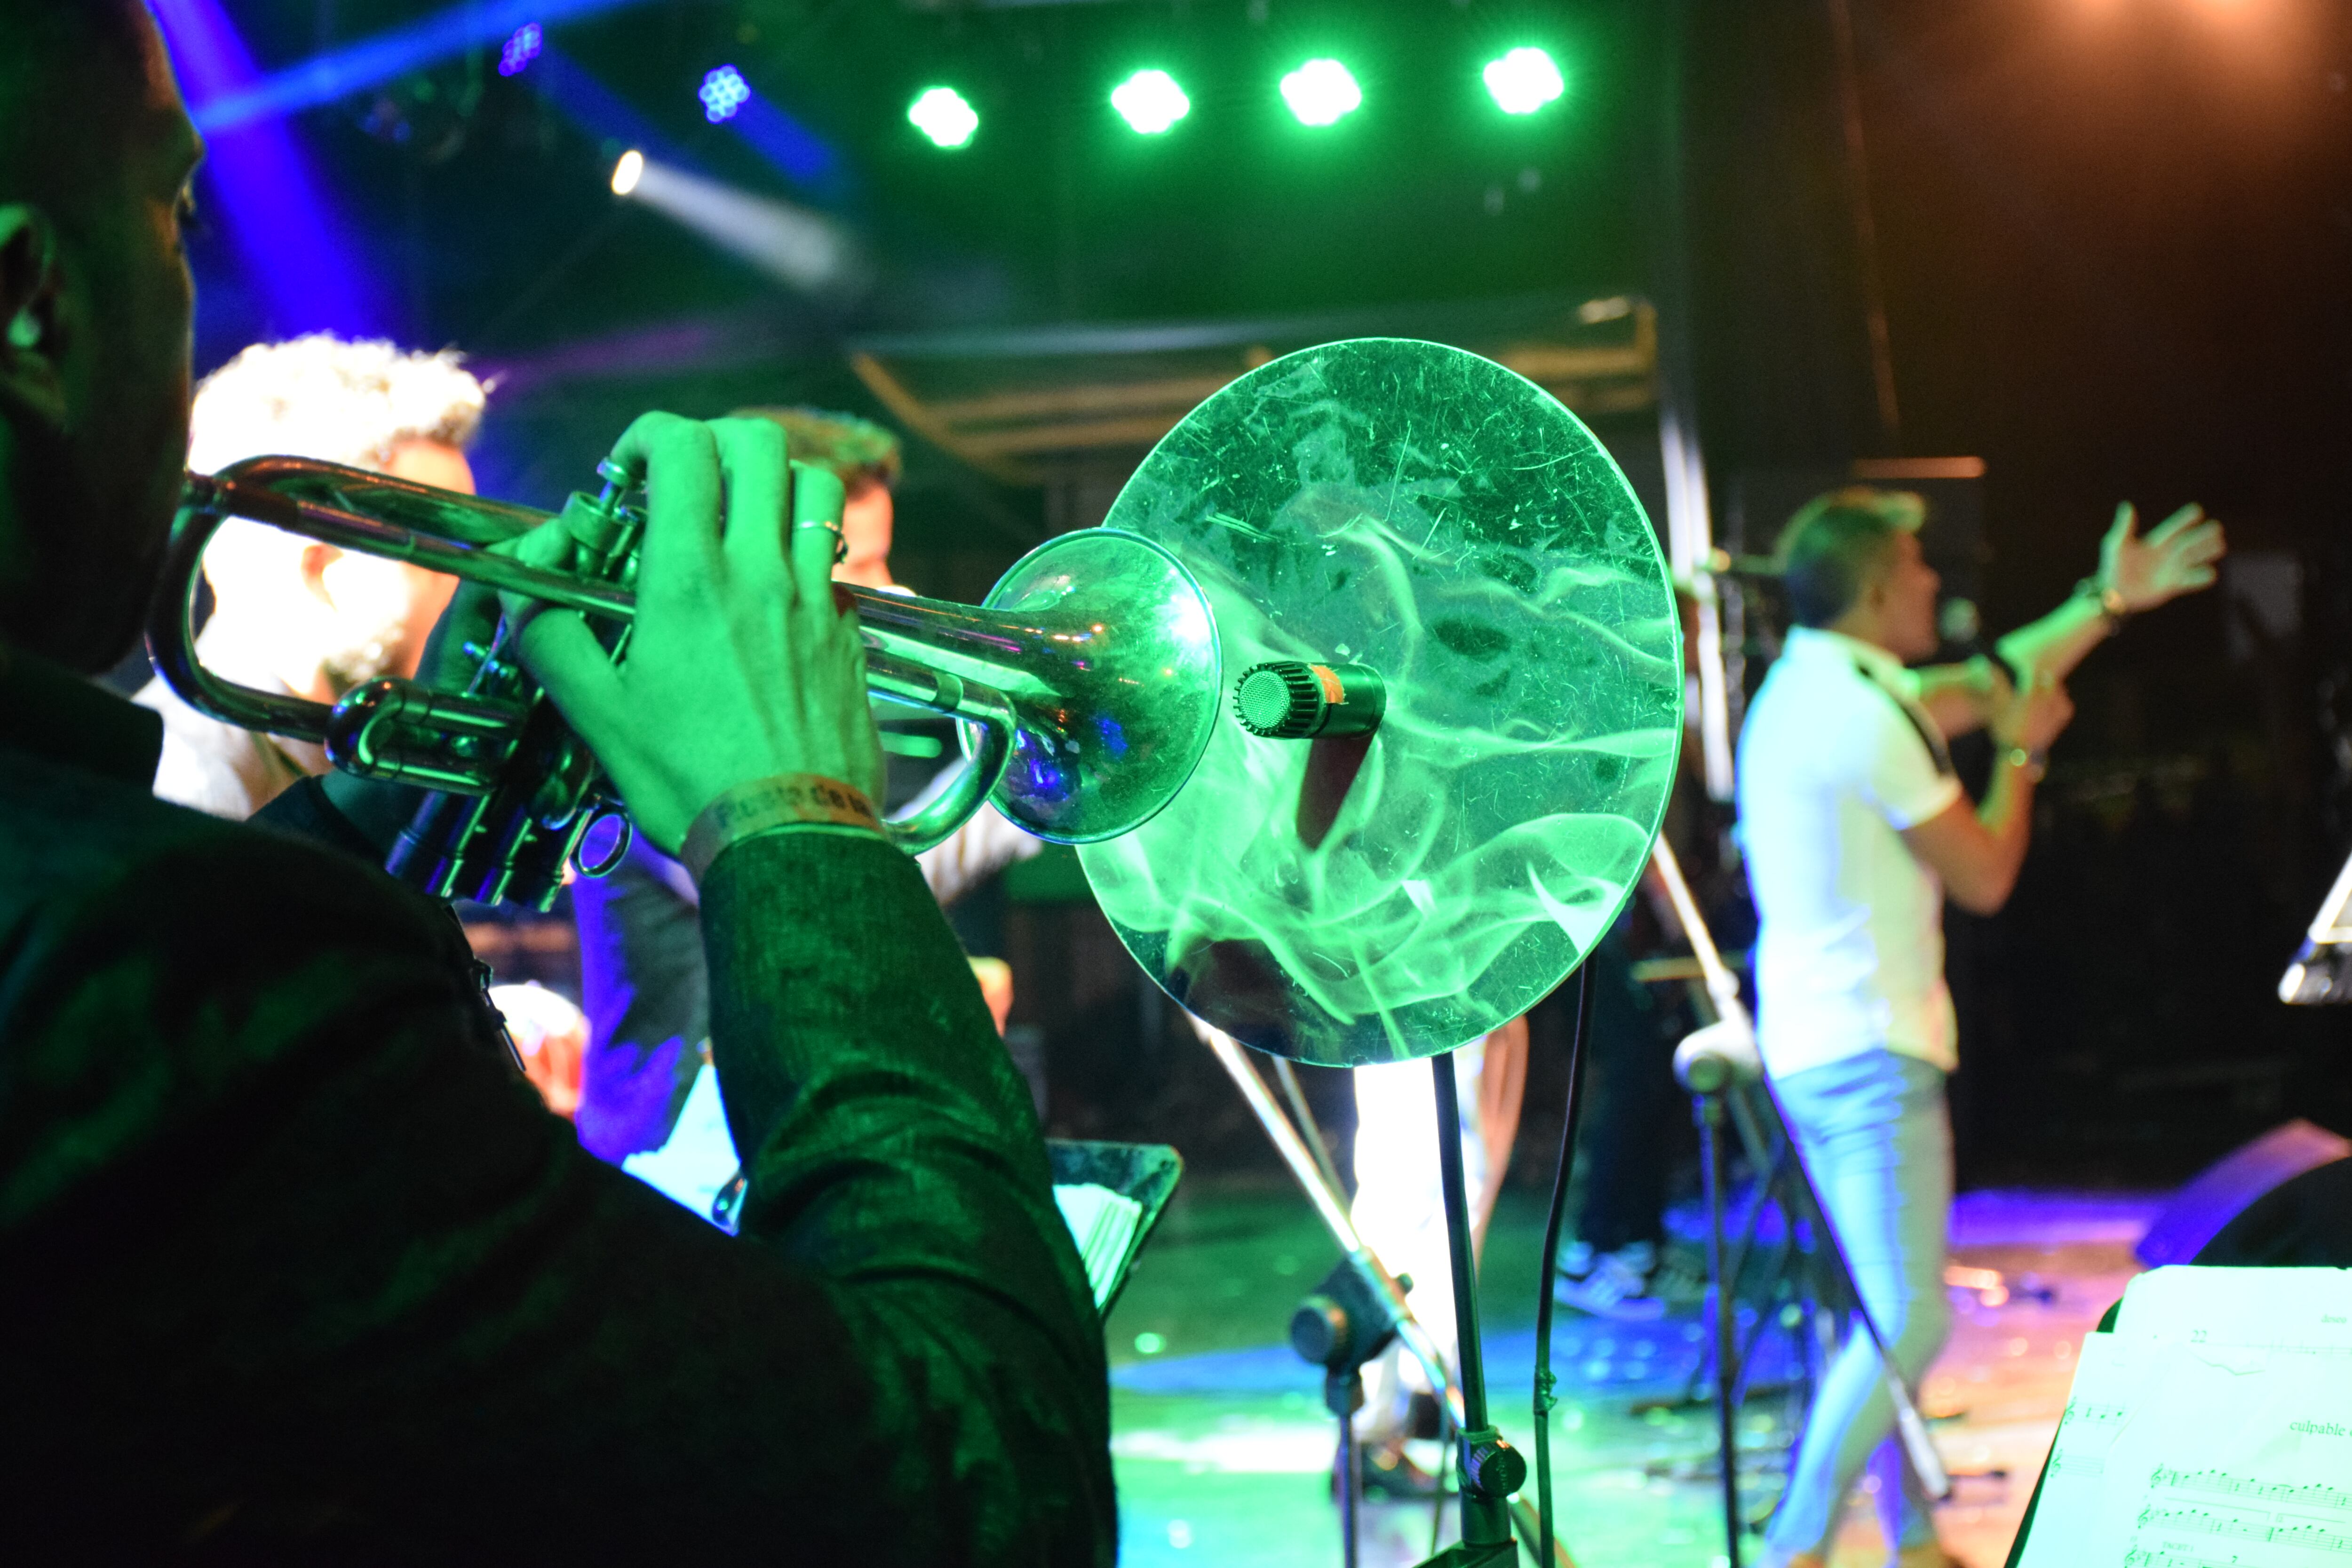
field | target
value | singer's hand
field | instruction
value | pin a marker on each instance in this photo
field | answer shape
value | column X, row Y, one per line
column 2033, row 718
column 2176, row 558
column 742, row 664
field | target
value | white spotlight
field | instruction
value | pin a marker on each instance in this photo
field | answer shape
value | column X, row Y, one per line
column 804, row 249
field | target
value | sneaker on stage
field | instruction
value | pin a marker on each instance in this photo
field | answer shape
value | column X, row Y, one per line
column 1389, row 1474
column 1612, row 1285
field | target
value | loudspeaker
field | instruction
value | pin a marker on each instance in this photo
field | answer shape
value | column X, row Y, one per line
column 2284, row 1199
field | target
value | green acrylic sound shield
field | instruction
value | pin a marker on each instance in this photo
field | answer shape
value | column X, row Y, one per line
column 1421, row 512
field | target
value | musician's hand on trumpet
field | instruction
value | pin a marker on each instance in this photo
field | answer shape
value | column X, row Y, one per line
column 708, row 661
column 742, row 665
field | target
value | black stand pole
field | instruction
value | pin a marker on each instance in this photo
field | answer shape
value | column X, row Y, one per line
column 1491, row 1470
column 1343, row 1324
column 1544, row 1400
column 1346, row 1397
column 1719, row 1292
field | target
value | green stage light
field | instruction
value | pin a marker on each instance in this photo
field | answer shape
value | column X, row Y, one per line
column 1151, row 102
column 941, row 115
column 1523, row 81
column 1320, row 91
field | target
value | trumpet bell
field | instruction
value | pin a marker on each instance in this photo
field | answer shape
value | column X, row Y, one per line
column 1124, row 684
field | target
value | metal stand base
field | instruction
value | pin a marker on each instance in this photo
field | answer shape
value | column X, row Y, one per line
column 1729, row 1097
column 1720, row 1292
column 1345, row 1395
column 1365, row 1271
column 1491, row 1470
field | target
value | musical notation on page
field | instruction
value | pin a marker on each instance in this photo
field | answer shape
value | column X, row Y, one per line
column 2212, row 1428
column 2222, row 1483
column 2090, row 1426
column 2312, row 1535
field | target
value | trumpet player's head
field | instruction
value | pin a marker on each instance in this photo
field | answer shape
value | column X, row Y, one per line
column 96, row 157
column 323, row 619
column 866, row 459
column 1850, row 562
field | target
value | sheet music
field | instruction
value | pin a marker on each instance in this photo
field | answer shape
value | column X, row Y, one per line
column 2217, row 1434
column 2307, row 1310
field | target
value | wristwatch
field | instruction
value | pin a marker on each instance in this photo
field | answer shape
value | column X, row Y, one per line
column 2036, row 762
column 2110, row 598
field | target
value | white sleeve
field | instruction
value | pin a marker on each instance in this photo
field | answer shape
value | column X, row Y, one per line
column 1891, row 766
column 979, row 850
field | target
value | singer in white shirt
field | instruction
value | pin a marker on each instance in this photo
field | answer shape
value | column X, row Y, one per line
column 1856, row 831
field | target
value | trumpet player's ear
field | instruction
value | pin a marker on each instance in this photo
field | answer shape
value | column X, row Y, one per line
column 32, row 334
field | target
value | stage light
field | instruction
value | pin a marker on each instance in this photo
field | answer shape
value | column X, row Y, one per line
column 1320, row 91
column 723, row 92
column 798, row 153
column 795, row 151
column 941, row 115
column 1151, row 102
column 1523, row 81
column 806, row 250
column 358, row 65
column 281, row 218
column 588, row 103
column 521, row 47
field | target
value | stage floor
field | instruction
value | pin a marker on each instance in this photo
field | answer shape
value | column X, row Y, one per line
column 1223, row 1447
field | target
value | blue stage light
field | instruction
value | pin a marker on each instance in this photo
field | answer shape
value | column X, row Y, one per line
column 277, row 216
column 791, row 148
column 723, row 92
column 521, row 49
column 470, row 25
column 599, row 110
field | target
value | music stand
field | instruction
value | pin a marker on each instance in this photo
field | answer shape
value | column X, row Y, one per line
column 1144, row 1174
column 2322, row 969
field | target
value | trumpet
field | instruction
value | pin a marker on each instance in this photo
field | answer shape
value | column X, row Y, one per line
column 1085, row 686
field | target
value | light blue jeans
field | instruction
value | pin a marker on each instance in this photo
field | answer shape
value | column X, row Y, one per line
column 1878, row 1144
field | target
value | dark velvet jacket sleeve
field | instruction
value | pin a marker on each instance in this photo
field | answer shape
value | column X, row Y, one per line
column 293, row 1266
column 898, row 1157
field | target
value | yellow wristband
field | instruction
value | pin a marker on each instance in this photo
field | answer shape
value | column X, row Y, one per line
column 774, row 805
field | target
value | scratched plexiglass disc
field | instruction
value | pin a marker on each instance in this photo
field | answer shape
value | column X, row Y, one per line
column 1424, row 511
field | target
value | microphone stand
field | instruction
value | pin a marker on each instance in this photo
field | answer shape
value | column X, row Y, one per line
column 1367, row 1268
column 1491, row 1470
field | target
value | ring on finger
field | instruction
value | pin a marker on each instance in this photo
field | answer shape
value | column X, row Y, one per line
column 828, row 525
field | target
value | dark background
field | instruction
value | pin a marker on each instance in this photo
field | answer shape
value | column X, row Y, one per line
column 2112, row 241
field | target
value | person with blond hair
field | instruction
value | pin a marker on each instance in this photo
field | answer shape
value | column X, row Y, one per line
column 293, row 615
